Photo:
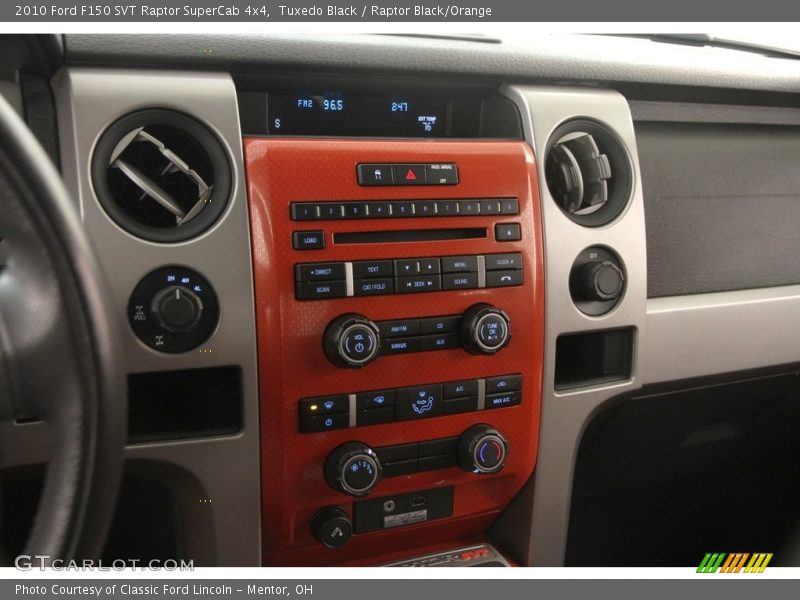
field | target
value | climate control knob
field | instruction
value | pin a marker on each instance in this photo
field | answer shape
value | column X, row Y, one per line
column 353, row 468
column 351, row 341
column 485, row 329
column 482, row 450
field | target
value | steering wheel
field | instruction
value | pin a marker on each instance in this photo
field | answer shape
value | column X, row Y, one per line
column 59, row 349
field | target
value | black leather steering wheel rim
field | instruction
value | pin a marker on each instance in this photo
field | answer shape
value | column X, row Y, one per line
column 59, row 348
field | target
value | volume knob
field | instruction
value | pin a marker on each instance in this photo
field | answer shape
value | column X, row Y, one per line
column 351, row 341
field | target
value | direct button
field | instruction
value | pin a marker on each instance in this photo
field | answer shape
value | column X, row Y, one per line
column 319, row 272
column 405, row 174
column 308, row 240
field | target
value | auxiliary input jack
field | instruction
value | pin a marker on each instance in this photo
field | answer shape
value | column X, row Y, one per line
column 388, row 506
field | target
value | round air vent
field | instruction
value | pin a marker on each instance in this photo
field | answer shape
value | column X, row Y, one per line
column 588, row 172
column 161, row 175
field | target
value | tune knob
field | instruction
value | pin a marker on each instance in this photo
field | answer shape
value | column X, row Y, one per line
column 600, row 281
column 353, row 468
column 351, row 341
column 176, row 308
column 484, row 329
column 482, row 450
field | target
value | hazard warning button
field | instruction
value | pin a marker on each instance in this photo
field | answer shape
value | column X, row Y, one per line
column 409, row 174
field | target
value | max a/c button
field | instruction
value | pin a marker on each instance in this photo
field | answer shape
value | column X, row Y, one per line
column 308, row 240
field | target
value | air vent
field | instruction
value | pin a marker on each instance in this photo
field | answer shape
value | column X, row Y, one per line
column 588, row 172
column 161, row 175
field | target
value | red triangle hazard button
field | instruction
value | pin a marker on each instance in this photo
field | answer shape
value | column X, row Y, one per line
column 410, row 175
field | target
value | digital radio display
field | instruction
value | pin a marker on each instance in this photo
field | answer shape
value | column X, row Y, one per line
column 336, row 113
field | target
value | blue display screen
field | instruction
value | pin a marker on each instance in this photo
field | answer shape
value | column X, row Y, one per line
column 320, row 112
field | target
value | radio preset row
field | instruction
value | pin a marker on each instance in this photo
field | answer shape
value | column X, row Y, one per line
column 381, row 209
column 409, row 403
column 317, row 281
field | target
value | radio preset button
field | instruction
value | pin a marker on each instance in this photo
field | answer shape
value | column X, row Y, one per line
column 447, row 208
column 469, row 207
column 490, row 207
column 509, row 206
column 402, row 209
column 379, row 210
column 330, row 211
column 304, row 211
column 355, row 210
column 425, row 208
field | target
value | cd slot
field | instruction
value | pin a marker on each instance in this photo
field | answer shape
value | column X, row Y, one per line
column 409, row 235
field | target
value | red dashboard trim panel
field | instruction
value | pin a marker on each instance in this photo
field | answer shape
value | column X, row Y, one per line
column 292, row 364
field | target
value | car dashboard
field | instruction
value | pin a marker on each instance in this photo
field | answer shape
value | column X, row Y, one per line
column 406, row 300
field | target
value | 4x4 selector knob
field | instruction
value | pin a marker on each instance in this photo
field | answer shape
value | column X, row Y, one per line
column 353, row 468
column 482, row 450
column 352, row 341
column 176, row 308
column 485, row 329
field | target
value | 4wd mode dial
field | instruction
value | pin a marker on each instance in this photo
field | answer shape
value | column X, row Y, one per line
column 173, row 310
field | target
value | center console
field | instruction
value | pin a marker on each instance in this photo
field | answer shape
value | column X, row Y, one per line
column 400, row 319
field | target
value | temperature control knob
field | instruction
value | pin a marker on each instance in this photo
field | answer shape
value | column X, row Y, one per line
column 484, row 329
column 482, row 450
column 351, row 341
column 353, row 468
